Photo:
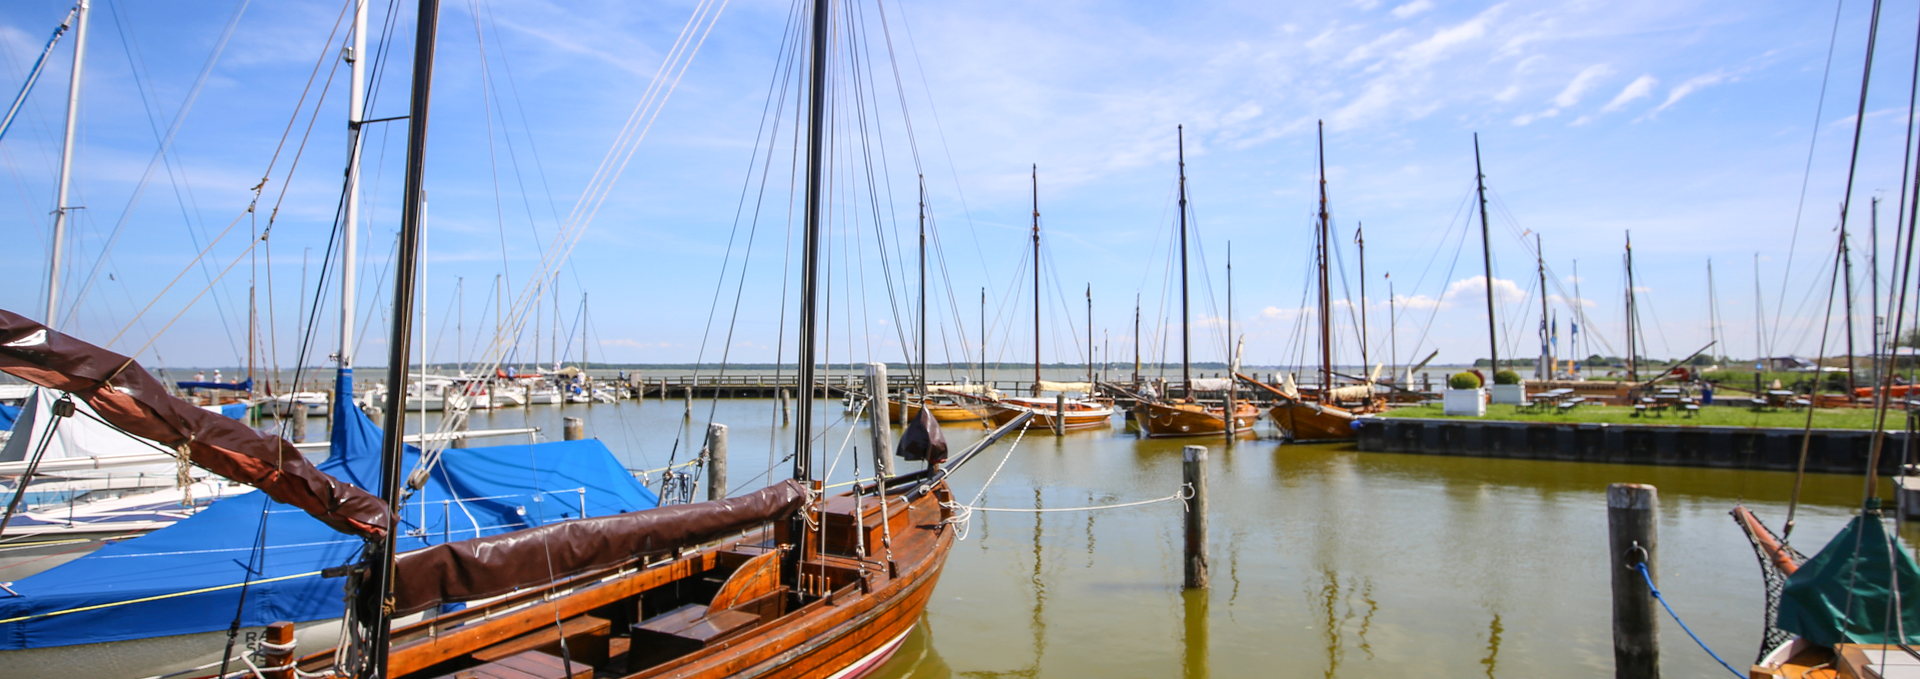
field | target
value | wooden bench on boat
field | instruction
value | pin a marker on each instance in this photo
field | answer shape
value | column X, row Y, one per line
column 750, row 595
column 586, row 636
column 526, row 665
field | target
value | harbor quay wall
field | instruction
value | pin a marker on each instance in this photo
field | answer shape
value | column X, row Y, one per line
column 1835, row 451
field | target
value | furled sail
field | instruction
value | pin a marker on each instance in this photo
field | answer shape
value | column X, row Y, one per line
column 1080, row 387
column 498, row 564
column 123, row 393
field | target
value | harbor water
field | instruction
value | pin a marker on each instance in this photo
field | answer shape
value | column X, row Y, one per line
column 1326, row 561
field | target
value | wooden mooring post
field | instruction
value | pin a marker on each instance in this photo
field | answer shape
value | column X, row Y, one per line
column 276, row 651
column 1193, row 475
column 689, row 411
column 1060, row 414
column 716, row 462
column 1633, row 517
column 573, row 428
column 877, row 420
column 786, row 409
column 298, row 412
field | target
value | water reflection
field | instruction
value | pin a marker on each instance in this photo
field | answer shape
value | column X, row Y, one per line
column 1493, row 645
column 1194, row 641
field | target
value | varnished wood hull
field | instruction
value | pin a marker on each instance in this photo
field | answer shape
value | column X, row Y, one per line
column 1301, row 421
column 845, row 634
column 1161, row 420
column 1079, row 414
column 943, row 412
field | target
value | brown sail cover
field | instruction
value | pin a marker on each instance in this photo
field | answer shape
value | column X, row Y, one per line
column 923, row 440
column 499, row 564
column 139, row 404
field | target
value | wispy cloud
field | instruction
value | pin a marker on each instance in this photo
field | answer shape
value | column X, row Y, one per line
column 1692, row 85
column 1640, row 88
column 1412, row 8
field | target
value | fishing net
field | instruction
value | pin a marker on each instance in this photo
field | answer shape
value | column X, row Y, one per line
column 1771, row 635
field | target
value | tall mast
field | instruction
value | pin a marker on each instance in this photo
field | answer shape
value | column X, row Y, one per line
column 459, row 323
column 923, row 289
column 983, row 334
column 1036, row 279
column 1090, row 378
column 1633, row 360
column 1873, row 282
column 60, row 206
column 1186, row 337
column 350, row 229
column 556, row 322
column 1320, row 257
column 376, row 591
column 1360, row 243
column 1846, row 261
column 583, row 336
column 1543, row 369
column 1486, row 257
column 1136, row 339
column 1233, row 366
column 1393, row 336
column 810, row 268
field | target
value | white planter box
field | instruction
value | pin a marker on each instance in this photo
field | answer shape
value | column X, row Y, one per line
column 1510, row 394
column 1469, row 402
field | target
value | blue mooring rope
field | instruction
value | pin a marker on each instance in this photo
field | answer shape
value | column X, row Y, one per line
column 1642, row 567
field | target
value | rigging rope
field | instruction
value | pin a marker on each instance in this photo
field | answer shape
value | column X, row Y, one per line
column 1642, row 567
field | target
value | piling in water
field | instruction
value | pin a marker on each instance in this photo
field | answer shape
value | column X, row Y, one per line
column 298, row 412
column 1633, row 516
column 1059, row 414
column 716, row 462
column 786, row 410
column 882, row 434
column 689, row 412
column 575, row 428
column 1193, row 474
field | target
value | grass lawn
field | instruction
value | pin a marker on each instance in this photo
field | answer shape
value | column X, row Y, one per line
column 1709, row 416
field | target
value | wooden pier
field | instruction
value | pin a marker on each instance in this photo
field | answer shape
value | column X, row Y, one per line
column 1834, row 451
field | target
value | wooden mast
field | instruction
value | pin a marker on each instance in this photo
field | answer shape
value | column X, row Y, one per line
column 1486, row 258
column 371, row 601
column 1186, row 337
column 1036, row 279
column 1633, row 365
column 1233, row 366
column 1544, row 369
column 923, row 293
column 1090, row 377
column 1136, row 340
column 1320, row 256
column 1360, row 242
column 809, row 270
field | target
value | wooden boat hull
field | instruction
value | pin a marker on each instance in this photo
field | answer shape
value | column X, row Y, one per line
column 855, row 618
column 1302, row 421
column 1079, row 414
column 943, row 412
column 1161, row 420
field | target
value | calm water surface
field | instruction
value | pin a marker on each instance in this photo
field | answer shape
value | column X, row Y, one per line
column 1326, row 561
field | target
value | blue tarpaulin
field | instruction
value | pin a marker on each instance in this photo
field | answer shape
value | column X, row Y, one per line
column 7, row 415
column 236, row 411
column 229, row 386
column 472, row 492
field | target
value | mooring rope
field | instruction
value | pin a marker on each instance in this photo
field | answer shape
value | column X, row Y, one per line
column 1642, row 567
column 1186, row 493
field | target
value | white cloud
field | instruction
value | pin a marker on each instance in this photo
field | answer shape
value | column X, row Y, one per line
column 1689, row 87
column 1582, row 84
column 1412, row 8
column 1640, row 88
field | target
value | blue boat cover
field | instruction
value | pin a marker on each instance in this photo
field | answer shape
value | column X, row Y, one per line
column 7, row 415
column 227, row 386
column 236, row 411
column 196, row 565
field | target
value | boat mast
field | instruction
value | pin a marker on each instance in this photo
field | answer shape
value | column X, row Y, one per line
column 1136, row 340
column 1360, row 242
column 1486, row 257
column 1036, row 279
column 1186, row 362
column 60, row 206
column 1320, row 257
column 983, row 334
column 377, row 589
column 1233, row 365
column 349, row 234
column 1873, row 283
column 1633, row 365
column 1090, row 377
column 810, row 267
column 923, row 290
column 1846, row 261
column 583, row 338
column 1544, row 369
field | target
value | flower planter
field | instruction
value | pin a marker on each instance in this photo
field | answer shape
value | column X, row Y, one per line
column 1510, row 394
column 1469, row 402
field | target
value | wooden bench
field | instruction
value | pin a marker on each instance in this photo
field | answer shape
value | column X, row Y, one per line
column 1571, row 403
column 682, row 631
column 586, row 636
column 526, row 665
column 1692, row 409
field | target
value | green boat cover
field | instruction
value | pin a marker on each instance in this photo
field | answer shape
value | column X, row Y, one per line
column 1845, row 594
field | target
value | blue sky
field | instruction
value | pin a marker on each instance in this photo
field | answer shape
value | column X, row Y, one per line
column 1688, row 123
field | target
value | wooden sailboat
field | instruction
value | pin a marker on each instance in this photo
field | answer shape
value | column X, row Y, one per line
column 783, row 582
column 1330, row 413
column 1071, row 413
column 1190, row 417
